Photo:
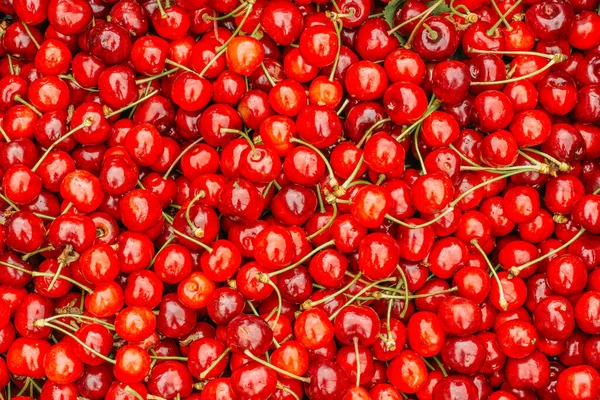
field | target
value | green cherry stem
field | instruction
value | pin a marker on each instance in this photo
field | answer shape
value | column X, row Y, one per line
column 283, row 372
column 135, row 103
column 214, row 363
column 195, row 142
column 514, row 271
column 48, row 274
column 83, row 317
column 338, row 31
column 422, row 15
column 503, row 303
column 357, row 295
column 303, row 259
column 88, row 122
column 19, row 99
column 308, row 304
column 557, row 58
column 327, row 225
column 40, row 323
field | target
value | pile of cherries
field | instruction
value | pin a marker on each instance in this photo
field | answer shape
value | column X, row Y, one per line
column 300, row 199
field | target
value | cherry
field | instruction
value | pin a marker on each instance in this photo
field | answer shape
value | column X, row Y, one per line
column 326, row 379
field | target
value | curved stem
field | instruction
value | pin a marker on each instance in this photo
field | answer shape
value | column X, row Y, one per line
column 510, row 53
column 338, row 30
column 214, row 363
column 503, row 303
column 514, row 271
column 303, row 259
column 357, row 357
column 424, row 224
column 191, row 224
column 276, row 369
column 327, row 225
column 325, row 160
column 35, row 42
column 135, row 103
column 423, row 15
column 267, row 74
column 167, row 242
column 83, row 317
column 25, row 257
column 157, row 76
column 557, row 58
column 47, row 275
column 191, row 239
column 239, row 8
column 437, row 361
column 175, row 358
column 403, row 275
column 369, row 131
column 308, row 304
column 195, row 142
column 357, row 295
column 19, row 99
column 41, row 323
column 502, row 19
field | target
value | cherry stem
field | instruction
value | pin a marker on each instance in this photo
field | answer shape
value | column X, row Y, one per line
column 243, row 135
column 422, row 15
column 556, row 58
column 492, row 31
column 369, row 131
column 343, row 106
column 308, row 304
column 513, row 53
column 303, row 259
column 135, row 103
column 55, row 276
column 10, row 64
column 4, row 135
column 338, row 30
column 502, row 301
column 198, row 232
column 214, row 363
column 403, row 275
column 35, row 42
column 279, row 303
column 422, row 295
column 19, row 99
column 48, row 274
column 418, row 151
column 281, row 371
column 514, row 271
column 287, row 389
column 195, row 142
column 390, row 342
column 357, row 357
column 327, row 225
column 562, row 166
column 325, row 160
column 163, row 14
column 107, row 325
column 181, row 66
column 168, row 242
column 10, row 203
column 366, row 282
column 86, row 123
column 437, row 361
column 175, row 358
column 40, row 250
column 40, row 323
column 540, row 168
column 320, row 199
column 435, row 104
column 221, row 49
column 239, row 8
column 191, row 239
column 454, row 9
column 424, row 224
column 72, row 79
column 431, row 367
column 463, row 157
column 357, row 295
column 267, row 74
column 134, row 393
column 157, row 76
